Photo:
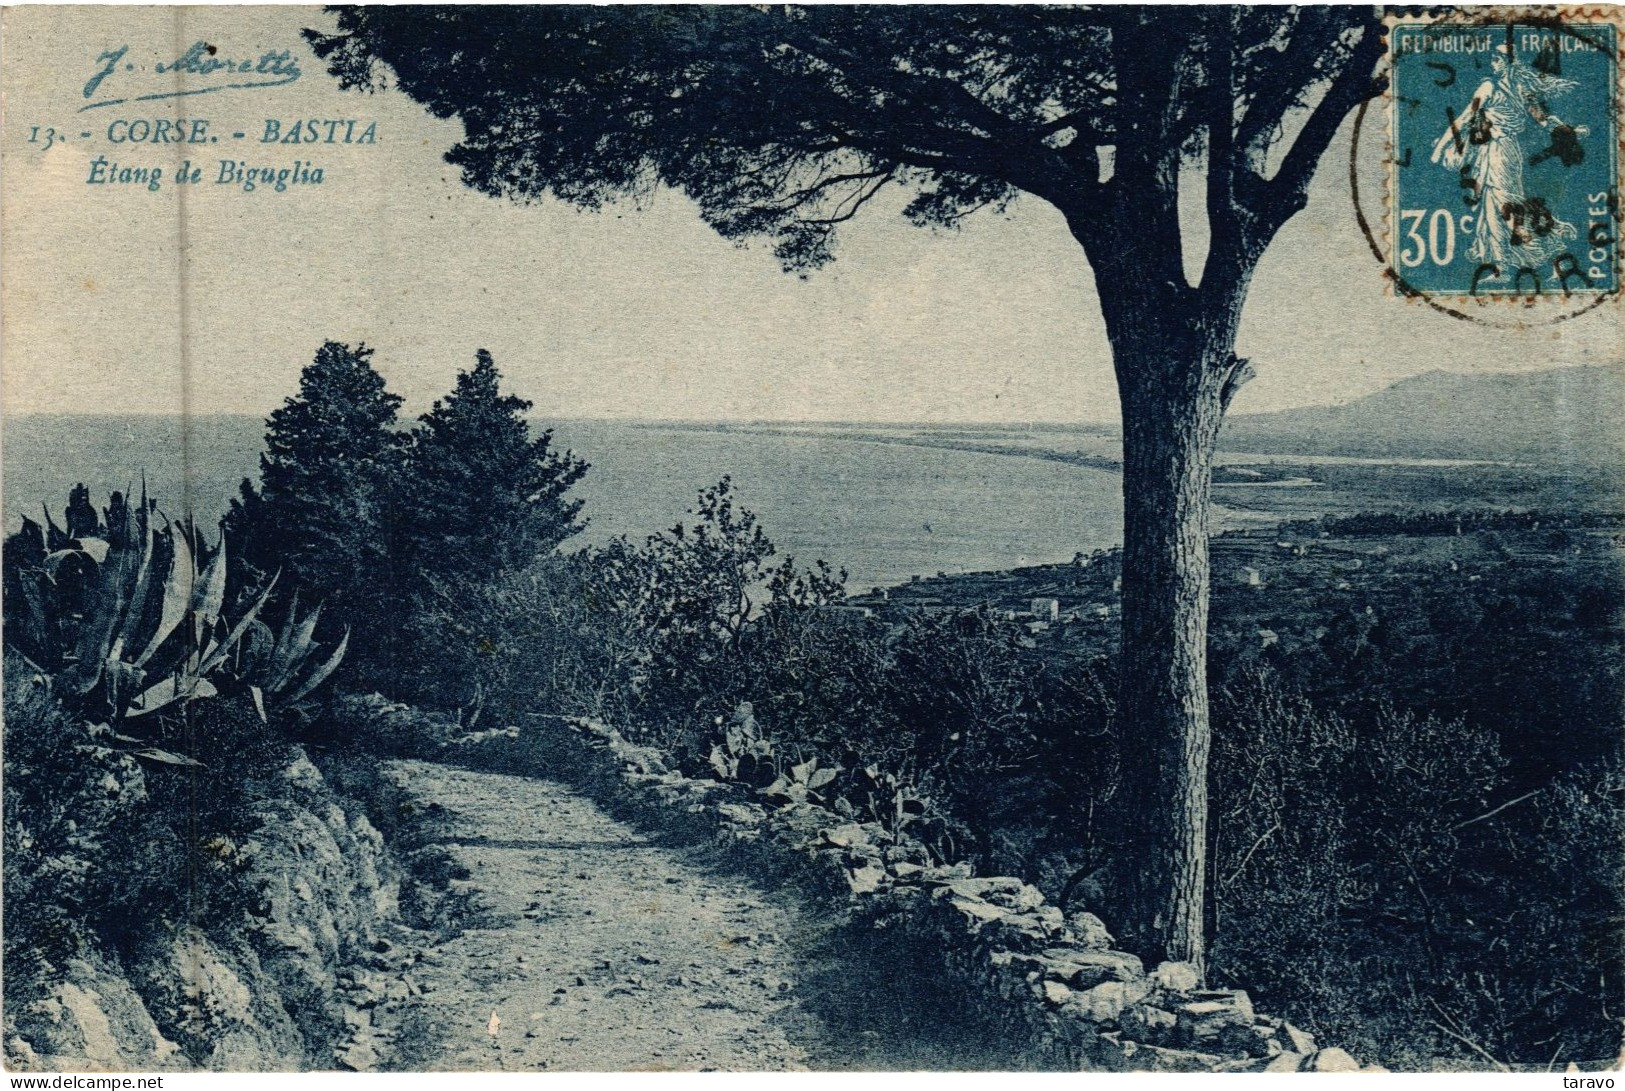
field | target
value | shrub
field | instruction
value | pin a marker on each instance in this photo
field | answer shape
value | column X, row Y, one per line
column 1379, row 878
column 66, row 792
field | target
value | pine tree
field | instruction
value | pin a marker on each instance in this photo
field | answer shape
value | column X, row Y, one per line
column 479, row 493
column 319, row 515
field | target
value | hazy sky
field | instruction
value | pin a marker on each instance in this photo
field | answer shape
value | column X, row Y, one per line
column 633, row 312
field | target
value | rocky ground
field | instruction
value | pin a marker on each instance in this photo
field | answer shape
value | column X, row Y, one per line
column 582, row 943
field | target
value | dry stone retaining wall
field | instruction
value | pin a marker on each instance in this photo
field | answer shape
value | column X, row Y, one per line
column 1052, row 979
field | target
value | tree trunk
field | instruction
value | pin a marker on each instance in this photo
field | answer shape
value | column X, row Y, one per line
column 1172, row 392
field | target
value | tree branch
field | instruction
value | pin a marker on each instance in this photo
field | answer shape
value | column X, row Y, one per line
column 1279, row 83
column 858, row 199
column 1288, row 191
column 809, row 193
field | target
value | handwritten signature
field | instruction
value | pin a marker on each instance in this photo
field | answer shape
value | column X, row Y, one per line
column 273, row 68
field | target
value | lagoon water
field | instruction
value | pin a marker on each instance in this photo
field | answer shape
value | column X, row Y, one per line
column 883, row 511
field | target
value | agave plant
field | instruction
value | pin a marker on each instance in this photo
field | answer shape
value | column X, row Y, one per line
column 126, row 616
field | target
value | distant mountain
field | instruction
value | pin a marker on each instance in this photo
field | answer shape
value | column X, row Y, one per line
column 1573, row 415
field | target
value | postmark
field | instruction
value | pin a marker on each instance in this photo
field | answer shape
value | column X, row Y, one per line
column 1503, row 164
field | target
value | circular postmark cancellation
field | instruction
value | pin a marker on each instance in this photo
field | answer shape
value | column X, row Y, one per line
column 1503, row 159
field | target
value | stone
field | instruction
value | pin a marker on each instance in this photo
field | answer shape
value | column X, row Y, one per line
column 907, row 872
column 1164, row 1059
column 1023, row 897
column 960, row 870
column 866, row 879
column 1256, row 1041
column 1286, row 1062
column 1236, row 997
column 1104, row 1003
column 948, row 883
column 1051, row 919
column 852, row 834
column 358, row 1056
column 1207, row 1021
column 1091, row 967
column 1331, row 1059
column 1148, row 1023
column 21, row 1055
column 1055, row 993
column 1298, row 1041
column 1090, row 930
column 977, row 910
column 741, row 814
column 1176, row 977
column 1014, row 929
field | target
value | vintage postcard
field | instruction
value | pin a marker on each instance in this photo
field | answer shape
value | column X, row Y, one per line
column 564, row 538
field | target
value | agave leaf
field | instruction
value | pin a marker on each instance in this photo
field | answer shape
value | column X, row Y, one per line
column 155, row 697
column 202, row 688
column 283, row 638
column 143, row 577
column 319, row 675
column 177, row 594
column 96, row 632
column 224, row 648
column 287, row 623
column 803, row 772
column 27, row 545
column 96, row 547
column 54, row 561
column 820, row 778
column 211, row 589
column 33, row 621
column 292, row 651
column 253, row 652
column 259, row 701
column 152, row 753
column 55, row 537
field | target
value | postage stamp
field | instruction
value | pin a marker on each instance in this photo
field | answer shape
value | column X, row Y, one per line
column 1503, row 178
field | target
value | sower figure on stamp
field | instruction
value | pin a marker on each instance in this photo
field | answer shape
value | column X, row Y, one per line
column 1512, row 232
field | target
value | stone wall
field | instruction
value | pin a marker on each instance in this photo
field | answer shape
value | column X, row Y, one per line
column 272, row 990
column 1053, row 979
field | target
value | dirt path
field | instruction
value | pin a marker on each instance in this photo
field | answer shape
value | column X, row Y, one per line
column 590, row 945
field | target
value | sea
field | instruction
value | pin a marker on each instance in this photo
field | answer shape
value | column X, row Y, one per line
column 884, row 511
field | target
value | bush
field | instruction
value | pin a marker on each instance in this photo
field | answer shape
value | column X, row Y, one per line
column 66, row 795
column 1379, row 878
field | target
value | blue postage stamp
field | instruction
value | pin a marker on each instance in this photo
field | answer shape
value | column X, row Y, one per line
column 1504, row 172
